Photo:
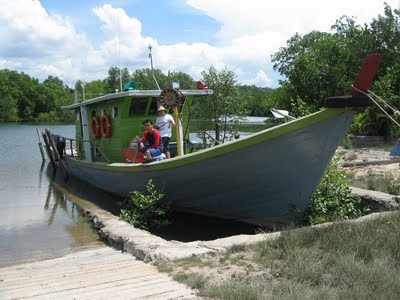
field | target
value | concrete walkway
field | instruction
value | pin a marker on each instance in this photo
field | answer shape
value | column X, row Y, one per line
column 94, row 274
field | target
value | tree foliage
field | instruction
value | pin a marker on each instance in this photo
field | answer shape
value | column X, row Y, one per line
column 145, row 80
column 23, row 98
column 116, row 78
column 256, row 99
column 224, row 107
column 318, row 65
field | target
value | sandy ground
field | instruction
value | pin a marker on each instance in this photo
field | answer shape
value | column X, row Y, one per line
column 368, row 163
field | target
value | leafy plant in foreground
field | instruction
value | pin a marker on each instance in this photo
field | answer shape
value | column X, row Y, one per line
column 333, row 200
column 146, row 211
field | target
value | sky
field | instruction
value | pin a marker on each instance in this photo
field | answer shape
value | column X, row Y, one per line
column 81, row 40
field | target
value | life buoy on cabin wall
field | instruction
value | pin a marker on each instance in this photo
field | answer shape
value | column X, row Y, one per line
column 105, row 126
column 95, row 127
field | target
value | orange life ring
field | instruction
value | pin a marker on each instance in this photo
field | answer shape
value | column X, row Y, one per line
column 105, row 126
column 95, row 126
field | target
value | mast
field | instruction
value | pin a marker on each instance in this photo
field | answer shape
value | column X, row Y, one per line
column 119, row 56
column 152, row 70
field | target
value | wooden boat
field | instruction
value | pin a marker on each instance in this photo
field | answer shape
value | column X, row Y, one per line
column 258, row 179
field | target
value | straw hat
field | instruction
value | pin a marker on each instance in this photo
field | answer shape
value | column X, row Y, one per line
column 161, row 108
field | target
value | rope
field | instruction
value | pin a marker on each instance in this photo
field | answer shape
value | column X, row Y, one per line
column 377, row 104
column 386, row 103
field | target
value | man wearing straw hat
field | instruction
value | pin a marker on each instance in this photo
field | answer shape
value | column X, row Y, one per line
column 163, row 123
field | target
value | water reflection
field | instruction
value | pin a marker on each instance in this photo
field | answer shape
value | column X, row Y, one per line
column 80, row 193
column 41, row 174
column 59, row 199
column 37, row 220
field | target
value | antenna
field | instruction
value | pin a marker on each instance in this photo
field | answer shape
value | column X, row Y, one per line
column 152, row 70
column 119, row 57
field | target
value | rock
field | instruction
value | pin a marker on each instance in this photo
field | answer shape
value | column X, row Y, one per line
column 377, row 201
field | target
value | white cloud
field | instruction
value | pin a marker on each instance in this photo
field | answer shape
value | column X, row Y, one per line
column 261, row 80
column 285, row 16
column 43, row 44
column 36, row 42
column 255, row 29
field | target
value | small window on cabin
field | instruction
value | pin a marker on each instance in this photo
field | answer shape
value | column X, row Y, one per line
column 115, row 112
column 138, row 106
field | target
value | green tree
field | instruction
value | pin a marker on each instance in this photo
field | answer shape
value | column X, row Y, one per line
column 185, row 81
column 114, row 79
column 23, row 98
column 145, row 81
column 318, row 65
column 384, row 38
column 256, row 99
column 8, row 109
column 93, row 88
column 224, row 107
column 315, row 67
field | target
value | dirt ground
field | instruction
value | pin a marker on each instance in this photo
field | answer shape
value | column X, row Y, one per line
column 369, row 162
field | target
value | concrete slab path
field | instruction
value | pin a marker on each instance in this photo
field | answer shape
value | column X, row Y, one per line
column 94, row 274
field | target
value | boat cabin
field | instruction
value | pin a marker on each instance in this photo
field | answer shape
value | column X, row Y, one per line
column 105, row 125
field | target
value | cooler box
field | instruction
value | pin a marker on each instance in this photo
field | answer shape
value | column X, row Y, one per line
column 127, row 156
column 130, row 85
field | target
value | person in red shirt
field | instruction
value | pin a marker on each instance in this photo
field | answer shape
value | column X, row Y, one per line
column 150, row 144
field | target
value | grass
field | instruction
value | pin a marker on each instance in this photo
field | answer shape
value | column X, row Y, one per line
column 385, row 184
column 342, row 261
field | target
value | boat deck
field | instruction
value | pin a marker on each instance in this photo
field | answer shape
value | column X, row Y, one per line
column 95, row 274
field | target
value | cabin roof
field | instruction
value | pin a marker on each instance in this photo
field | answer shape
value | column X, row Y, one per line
column 135, row 93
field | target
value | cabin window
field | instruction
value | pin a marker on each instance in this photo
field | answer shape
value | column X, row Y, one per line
column 138, row 107
column 141, row 107
column 115, row 112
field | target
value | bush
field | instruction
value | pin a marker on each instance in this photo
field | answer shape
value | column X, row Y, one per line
column 333, row 200
column 346, row 143
column 146, row 211
column 393, row 188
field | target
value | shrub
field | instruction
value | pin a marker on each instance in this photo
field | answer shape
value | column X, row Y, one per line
column 146, row 211
column 393, row 188
column 346, row 143
column 333, row 200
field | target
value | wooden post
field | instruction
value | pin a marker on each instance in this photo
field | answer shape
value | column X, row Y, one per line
column 57, row 155
column 49, row 154
column 40, row 145
column 179, row 137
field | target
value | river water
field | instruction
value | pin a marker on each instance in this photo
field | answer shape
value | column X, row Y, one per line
column 37, row 219
column 40, row 216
